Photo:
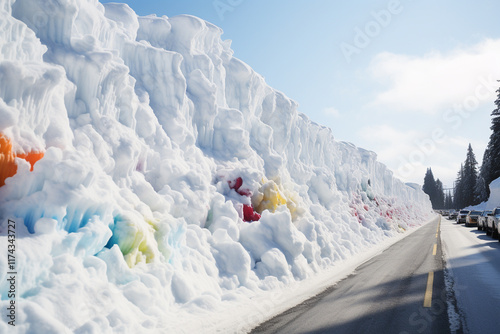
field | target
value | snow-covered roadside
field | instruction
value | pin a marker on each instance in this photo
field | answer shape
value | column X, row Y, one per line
column 153, row 177
column 473, row 262
column 265, row 306
column 494, row 199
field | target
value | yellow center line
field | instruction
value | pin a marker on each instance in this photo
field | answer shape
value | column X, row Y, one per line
column 430, row 278
column 428, row 290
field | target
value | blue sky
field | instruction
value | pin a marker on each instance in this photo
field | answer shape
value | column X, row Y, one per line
column 413, row 80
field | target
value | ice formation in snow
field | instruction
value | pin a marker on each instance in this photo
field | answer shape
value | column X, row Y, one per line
column 169, row 176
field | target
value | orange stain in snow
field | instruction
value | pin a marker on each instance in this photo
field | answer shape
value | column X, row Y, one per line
column 8, row 165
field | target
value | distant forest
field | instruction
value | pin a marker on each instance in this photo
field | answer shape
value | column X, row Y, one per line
column 471, row 185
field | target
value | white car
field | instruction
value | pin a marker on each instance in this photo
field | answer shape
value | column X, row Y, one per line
column 472, row 218
column 493, row 223
column 462, row 216
column 482, row 223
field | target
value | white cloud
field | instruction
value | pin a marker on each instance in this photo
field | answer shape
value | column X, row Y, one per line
column 332, row 112
column 408, row 153
column 389, row 142
column 437, row 81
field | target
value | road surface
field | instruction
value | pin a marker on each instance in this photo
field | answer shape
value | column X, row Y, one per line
column 473, row 259
column 400, row 291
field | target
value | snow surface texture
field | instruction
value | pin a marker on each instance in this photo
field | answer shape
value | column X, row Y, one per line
column 494, row 199
column 131, row 221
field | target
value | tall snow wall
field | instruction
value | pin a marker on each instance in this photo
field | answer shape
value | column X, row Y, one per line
column 167, row 172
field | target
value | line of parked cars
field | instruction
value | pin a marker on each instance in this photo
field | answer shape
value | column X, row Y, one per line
column 488, row 220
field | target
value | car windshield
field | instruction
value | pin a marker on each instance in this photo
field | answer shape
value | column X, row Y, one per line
column 485, row 213
column 497, row 211
column 475, row 213
column 464, row 212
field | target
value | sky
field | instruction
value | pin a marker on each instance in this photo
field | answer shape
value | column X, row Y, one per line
column 413, row 80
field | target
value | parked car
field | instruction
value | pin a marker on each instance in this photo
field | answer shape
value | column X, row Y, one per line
column 493, row 222
column 472, row 218
column 453, row 215
column 462, row 216
column 482, row 222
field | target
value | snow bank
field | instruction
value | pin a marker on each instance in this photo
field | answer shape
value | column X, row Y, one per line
column 494, row 199
column 174, row 182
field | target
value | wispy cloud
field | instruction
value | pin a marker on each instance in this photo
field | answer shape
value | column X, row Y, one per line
column 390, row 142
column 410, row 153
column 436, row 81
column 331, row 112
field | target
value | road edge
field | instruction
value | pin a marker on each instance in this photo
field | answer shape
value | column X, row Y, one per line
column 456, row 318
column 325, row 279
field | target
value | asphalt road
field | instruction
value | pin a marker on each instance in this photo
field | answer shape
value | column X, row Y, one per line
column 400, row 291
column 474, row 261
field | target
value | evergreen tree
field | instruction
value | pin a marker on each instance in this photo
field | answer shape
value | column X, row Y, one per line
column 494, row 144
column 480, row 191
column 439, row 195
column 485, row 172
column 458, row 195
column 469, row 178
column 434, row 188
column 448, row 201
column 467, row 192
column 429, row 187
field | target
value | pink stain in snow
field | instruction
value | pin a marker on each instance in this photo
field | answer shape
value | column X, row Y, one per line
column 249, row 213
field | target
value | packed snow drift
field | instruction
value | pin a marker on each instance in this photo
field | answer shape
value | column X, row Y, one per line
column 493, row 200
column 147, row 175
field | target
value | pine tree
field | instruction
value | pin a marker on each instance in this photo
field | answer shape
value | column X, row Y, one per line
column 494, row 144
column 466, row 189
column 480, row 191
column 448, row 201
column 458, row 195
column 429, row 187
column 469, row 178
column 439, row 195
column 485, row 172
column 434, row 188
